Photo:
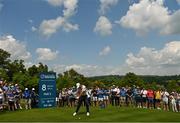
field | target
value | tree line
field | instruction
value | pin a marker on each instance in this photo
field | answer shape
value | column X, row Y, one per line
column 16, row 72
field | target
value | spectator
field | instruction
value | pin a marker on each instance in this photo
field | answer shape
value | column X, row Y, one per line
column 138, row 98
column 165, row 99
column 129, row 95
column 158, row 95
column 33, row 98
column 106, row 96
column 150, row 96
column 11, row 100
column 94, row 97
column 27, row 97
column 173, row 102
column 178, row 102
column 113, row 95
column 100, row 94
column 122, row 96
column 1, row 99
column 17, row 95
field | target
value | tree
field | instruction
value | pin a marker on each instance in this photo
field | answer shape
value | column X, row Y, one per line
column 131, row 79
column 36, row 70
column 3, row 74
column 173, row 85
column 15, row 67
column 4, row 58
column 70, row 78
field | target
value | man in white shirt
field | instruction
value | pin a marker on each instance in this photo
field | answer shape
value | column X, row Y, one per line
column 82, row 97
column 144, row 98
column 165, row 99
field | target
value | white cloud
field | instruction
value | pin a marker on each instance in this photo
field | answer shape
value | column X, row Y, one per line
column 30, row 21
column 51, row 26
column 178, row 1
column 148, row 61
column 67, row 27
column 55, row 2
column 103, row 26
column 46, row 54
column 105, row 51
column 16, row 48
column 151, row 15
column 34, row 29
column 70, row 8
column 28, row 64
column 105, row 5
column 151, row 61
column 173, row 25
column 87, row 70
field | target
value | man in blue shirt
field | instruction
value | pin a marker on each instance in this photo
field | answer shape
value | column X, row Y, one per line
column 100, row 93
column 122, row 96
column 27, row 97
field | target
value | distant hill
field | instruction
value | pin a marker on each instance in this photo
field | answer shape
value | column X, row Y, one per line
column 145, row 78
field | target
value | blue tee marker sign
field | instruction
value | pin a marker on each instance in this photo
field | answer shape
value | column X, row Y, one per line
column 47, row 90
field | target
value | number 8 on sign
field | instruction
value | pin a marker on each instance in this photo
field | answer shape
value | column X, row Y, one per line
column 43, row 87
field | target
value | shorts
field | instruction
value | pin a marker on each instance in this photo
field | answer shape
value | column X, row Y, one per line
column 158, row 100
column 11, row 103
column 95, row 99
column 28, row 101
column 150, row 100
column 72, row 99
column 165, row 101
column 1, row 101
column 100, row 99
column 138, row 99
column 122, row 99
column 57, row 99
column 106, row 97
column 144, row 99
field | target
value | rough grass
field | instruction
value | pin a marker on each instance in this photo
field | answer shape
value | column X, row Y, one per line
column 109, row 114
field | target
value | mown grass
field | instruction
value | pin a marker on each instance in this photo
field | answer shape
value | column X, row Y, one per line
column 109, row 114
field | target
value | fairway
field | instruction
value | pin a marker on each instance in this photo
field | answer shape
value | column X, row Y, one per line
column 110, row 114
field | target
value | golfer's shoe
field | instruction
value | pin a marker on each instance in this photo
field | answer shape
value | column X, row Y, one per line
column 87, row 114
column 74, row 114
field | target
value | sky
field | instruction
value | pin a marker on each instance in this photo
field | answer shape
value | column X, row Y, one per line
column 94, row 37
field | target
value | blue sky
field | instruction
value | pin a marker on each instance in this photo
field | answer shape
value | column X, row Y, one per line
column 95, row 37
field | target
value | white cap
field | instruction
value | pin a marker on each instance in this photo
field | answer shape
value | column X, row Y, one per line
column 83, row 86
column 33, row 89
column 26, row 88
column 77, row 84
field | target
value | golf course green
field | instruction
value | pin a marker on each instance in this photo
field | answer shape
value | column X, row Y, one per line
column 109, row 114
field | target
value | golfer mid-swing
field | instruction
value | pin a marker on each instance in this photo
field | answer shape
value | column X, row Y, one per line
column 82, row 97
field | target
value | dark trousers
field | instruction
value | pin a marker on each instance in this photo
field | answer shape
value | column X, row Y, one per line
column 113, row 99
column 80, row 101
column 117, row 101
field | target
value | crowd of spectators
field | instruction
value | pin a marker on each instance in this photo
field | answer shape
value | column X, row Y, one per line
column 12, row 97
column 123, row 96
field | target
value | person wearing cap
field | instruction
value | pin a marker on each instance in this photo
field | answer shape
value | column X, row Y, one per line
column 122, row 96
column 33, row 98
column 178, row 102
column 113, row 95
column 1, row 99
column 27, row 97
column 17, row 94
column 81, row 95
